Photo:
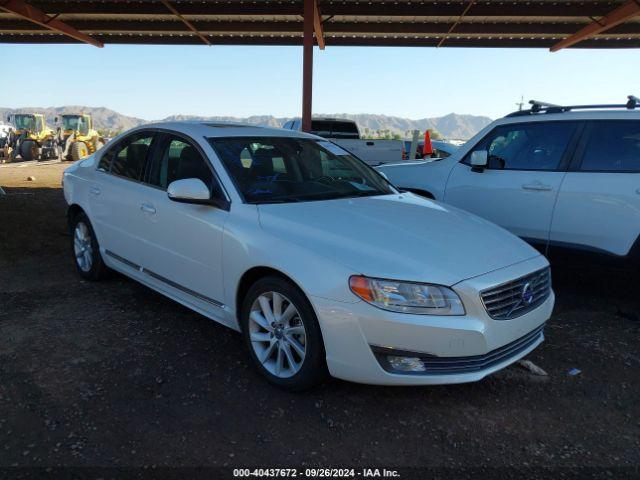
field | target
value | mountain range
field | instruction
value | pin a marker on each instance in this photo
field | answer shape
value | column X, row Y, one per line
column 452, row 126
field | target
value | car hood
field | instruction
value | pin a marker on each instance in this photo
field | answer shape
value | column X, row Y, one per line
column 401, row 237
column 402, row 164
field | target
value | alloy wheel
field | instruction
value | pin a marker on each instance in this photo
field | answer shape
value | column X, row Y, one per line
column 82, row 247
column 277, row 333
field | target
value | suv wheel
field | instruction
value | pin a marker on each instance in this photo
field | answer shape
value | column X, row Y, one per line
column 86, row 251
column 282, row 334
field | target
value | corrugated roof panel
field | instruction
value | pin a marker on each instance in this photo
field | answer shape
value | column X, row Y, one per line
column 534, row 23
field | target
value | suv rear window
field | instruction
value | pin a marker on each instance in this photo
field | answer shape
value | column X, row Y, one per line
column 612, row 146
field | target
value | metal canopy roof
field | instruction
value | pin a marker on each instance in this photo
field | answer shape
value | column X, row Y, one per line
column 449, row 23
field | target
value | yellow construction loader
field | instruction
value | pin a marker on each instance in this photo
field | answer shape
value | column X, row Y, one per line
column 32, row 139
column 77, row 136
column 5, row 135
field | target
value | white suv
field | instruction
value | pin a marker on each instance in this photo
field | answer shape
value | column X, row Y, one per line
column 293, row 241
column 555, row 176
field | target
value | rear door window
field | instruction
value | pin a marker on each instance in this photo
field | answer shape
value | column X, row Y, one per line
column 612, row 146
column 128, row 158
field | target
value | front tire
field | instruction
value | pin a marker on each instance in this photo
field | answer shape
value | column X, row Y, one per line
column 86, row 251
column 282, row 334
column 27, row 150
column 79, row 151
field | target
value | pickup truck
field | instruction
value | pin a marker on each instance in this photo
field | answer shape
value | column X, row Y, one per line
column 346, row 134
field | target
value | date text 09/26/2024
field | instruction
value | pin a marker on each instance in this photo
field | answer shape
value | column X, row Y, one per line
column 315, row 473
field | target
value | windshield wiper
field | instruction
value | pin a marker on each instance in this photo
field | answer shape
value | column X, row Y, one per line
column 368, row 193
column 338, row 195
column 274, row 200
column 317, row 196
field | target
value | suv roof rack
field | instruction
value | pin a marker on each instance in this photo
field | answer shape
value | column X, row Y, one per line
column 633, row 102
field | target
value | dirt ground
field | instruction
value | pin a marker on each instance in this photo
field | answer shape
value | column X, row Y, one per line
column 112, row 374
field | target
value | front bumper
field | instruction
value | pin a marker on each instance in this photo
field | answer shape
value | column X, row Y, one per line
column 352, row 331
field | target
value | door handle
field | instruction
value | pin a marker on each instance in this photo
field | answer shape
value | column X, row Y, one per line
column 95, row 190
column 538, row 187
column 148, row 208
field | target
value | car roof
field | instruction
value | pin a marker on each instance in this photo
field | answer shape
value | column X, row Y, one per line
column 215, row 129
column 618, row 114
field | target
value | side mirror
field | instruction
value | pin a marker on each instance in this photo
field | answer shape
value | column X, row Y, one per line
column 193, row 190
column 479, row 160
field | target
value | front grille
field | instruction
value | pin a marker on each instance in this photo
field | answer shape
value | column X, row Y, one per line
column 434, row 365
column 515, row 298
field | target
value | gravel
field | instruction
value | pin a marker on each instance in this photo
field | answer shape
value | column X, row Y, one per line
column 112, row 374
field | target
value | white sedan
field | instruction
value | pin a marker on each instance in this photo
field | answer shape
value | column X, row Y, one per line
column 312, row 255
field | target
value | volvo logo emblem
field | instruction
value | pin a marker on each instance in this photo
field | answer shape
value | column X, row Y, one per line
column 527, row 294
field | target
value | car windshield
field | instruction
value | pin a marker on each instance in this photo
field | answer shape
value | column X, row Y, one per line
column 283, row 170
column 25, row 122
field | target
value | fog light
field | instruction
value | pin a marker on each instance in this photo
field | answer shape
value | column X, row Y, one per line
column 406, row 364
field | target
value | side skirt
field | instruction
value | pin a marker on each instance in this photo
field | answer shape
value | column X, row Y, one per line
column 195, row 301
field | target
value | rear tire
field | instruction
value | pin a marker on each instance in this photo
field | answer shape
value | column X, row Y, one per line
column 79, row 151
column 27, row 150
column 282, row 334
column 86, row 250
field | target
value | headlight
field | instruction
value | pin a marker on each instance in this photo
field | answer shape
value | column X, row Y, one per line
column 406, row 297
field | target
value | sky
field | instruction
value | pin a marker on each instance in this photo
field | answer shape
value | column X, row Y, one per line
column 152, row 82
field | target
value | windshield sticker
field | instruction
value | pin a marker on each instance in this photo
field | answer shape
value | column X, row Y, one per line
column 333, row 148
